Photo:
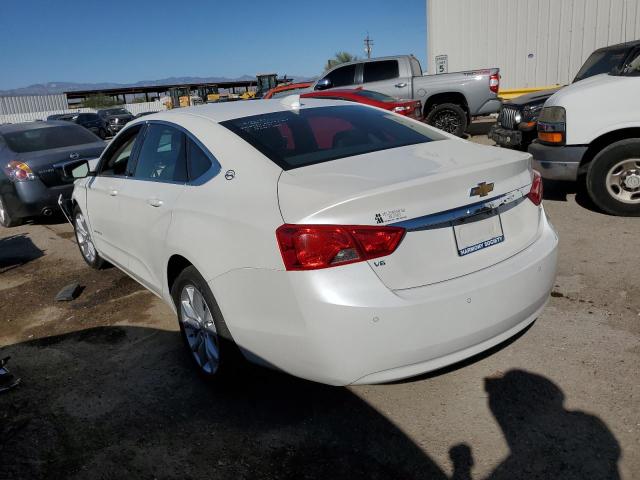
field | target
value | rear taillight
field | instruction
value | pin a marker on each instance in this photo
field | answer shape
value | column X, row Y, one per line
column 19, row 171
column 310, row 247
column 535, row 194
column 494, row 82
column 401, row 109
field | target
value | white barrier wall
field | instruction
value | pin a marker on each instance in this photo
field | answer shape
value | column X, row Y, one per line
column 134, row 108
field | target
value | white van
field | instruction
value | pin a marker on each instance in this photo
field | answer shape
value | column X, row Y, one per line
column 590, row 131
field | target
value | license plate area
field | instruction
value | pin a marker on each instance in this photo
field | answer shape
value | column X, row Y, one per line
column 478, row 232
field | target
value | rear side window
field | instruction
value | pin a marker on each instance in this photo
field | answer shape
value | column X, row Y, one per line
column 47, row 138
column 316, row 135
column 162, row 156
column 198, row 161
column 378, row 71
column 342, row 76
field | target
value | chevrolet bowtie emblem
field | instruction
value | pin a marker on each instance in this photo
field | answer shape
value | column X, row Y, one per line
column 482, row 190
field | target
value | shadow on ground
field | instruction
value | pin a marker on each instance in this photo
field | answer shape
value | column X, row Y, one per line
column 123, row 402
column 17, row 250
column 557, row 190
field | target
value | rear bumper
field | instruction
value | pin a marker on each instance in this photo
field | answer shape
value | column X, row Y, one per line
column 343, row 326
column 489, row 107
column 33, row 198
column 557, row 162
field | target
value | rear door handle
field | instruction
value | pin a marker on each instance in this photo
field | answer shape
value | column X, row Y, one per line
column 155, row 202
column 113, row 192
column 400, row 85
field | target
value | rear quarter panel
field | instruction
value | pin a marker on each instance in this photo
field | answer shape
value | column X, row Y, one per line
column 228, row 222
column 474, row 87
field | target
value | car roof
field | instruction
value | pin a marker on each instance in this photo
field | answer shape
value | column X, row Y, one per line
column 22, row 127
column 618, row 46
column 220, row 112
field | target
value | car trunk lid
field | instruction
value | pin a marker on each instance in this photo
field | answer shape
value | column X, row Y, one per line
column 45, row 163
column 425, row 188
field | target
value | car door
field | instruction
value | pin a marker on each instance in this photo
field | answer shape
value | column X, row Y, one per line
column 342, row 76
column 384, row 76
column 147, row 202
column 103, row 197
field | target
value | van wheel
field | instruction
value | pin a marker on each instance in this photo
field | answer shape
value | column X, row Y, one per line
column 448, row 117
column 613, row 178
column 204, row 332
column 6, row 218
column 85, row 242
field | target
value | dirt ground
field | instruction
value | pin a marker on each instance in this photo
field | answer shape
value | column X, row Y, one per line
column 108, row 391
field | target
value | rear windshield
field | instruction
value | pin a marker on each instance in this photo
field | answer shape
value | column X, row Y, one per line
column 380, row 97
column 307, row 136
column 47, row 138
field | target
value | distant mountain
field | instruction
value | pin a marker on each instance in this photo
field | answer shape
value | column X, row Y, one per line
column 60, row 87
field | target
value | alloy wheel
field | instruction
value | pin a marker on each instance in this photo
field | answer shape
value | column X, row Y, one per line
column 447, row 121
column 83, row 237
column 623, row 181
column 199, row 328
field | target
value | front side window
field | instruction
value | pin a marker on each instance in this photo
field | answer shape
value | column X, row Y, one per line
column 342, row 76
column 116, row 158
column 316, row 135
column 378, row 71
column 632, row 66
column 47, row 138
column 162, row 156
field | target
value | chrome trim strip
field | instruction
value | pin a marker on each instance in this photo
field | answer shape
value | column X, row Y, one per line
column 500, row 204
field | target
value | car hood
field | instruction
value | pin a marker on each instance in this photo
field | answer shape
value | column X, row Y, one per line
column 592, row 85
column 534, row 97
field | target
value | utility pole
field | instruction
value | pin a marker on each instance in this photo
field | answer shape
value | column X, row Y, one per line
column 368, row 43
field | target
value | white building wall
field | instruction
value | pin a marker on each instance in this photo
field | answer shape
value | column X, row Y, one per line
column 535, row 43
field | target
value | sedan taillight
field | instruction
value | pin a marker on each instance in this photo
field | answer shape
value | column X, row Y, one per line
column 535, row 194
column 311, row 247
column 19, row 171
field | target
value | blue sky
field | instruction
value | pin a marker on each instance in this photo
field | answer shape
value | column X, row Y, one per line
column 127, row 41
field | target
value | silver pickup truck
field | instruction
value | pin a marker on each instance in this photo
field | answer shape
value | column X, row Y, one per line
column 449, row 100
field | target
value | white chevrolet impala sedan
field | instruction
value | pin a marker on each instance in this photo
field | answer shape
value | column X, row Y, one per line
column 336, row 242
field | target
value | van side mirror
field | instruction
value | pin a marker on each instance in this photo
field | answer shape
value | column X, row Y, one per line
column 323, row 84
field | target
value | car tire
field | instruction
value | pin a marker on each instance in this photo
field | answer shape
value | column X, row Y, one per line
column 85, row 242
column 203, row 329
column 448, row 117
column 613, row 178
column 7, row 219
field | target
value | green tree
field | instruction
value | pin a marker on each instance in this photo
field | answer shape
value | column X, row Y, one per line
column 338, row 58
column 99, row 101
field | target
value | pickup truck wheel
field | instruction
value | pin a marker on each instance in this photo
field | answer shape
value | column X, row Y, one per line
column 448, row 117
column 85, row 242
column 613, row 178
column 204, row 332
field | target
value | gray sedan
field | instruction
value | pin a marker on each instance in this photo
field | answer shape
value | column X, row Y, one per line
column 31, row 157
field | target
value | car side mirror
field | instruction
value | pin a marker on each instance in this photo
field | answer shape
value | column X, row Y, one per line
column 76, row 169
column 323, row 84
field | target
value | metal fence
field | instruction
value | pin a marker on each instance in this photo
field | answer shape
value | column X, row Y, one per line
column 134, row 108
column 32, row 103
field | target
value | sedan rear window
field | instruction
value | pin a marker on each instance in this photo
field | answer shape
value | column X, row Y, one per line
column 307, row 136
column 48, row 138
